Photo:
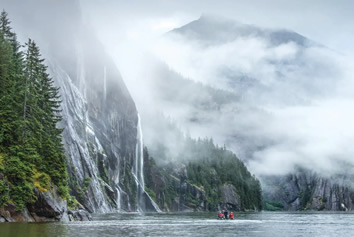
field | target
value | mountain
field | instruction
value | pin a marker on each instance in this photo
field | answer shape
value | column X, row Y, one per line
column 272, row 81
column 212, row 30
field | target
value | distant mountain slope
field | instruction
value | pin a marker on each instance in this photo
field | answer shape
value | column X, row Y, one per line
column 211, row 29
column 279, row 87
column 253, row 61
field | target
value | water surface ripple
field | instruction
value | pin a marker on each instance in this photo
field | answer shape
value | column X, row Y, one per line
column 265, row 224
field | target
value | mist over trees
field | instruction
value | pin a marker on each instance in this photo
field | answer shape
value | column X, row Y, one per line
column 207, row 166
column 31, row 152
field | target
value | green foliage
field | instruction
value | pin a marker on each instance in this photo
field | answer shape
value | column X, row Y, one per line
column 87, row 182
column 20, row 179
column 151, row 193
column 4, row 193
column 305, row 196
column 72, row 203
column 41, row 180
column 211, row 166
column 31, row 153
column 273, row 206
column 208, row 167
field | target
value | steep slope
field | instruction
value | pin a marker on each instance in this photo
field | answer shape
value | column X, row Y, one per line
column 306, row 190
column 102, row 135
column 198, row 176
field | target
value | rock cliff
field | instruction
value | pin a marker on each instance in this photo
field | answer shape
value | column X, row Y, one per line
column 307, row 190
column 101, row 127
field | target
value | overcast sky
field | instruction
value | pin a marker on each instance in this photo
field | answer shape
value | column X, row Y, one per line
column 326, row 21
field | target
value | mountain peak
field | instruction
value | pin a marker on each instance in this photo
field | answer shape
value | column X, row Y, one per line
column 211, row 29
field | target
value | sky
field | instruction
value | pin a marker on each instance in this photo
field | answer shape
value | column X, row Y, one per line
column 325, row 21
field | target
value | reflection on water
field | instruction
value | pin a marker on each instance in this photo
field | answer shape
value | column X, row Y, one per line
column 32, row 229
column 193, row 224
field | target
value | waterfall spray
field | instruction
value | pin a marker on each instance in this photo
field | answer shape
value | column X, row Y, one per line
column 138, row 172
column 118, row 198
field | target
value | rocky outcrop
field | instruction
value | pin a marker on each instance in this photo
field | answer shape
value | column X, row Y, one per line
column 79, row 215
column 49, row 206
column 170, row 188
column 230, row 198
column 306, row 190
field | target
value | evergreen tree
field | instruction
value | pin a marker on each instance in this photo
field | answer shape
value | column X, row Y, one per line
column 41, row 114
column 31, row 152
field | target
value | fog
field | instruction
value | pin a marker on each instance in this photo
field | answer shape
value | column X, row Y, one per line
column 285, row 105
column 295, row 101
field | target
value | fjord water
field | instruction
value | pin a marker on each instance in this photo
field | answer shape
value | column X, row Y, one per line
column 194, row 224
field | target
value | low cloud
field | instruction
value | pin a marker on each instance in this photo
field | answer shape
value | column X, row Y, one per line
column 295, row 107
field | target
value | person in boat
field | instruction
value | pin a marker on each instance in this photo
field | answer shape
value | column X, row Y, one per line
column 226, row 214
column 231, row 215
column 220, row 215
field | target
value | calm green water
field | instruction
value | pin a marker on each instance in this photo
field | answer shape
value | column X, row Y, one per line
column 194, row 224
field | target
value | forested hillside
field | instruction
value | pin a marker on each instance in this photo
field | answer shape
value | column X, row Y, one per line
column 182, row 173
column 31, row 153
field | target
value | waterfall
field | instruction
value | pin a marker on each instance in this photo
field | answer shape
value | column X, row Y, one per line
column 118, row 198
column 138, row 172
column 138, row 169
column 141, row 154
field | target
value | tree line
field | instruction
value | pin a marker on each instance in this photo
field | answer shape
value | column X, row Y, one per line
column 31, row 151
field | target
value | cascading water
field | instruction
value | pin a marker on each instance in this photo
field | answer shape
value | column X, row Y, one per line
column 118, row 198
column 138, row 168
column 138, row 172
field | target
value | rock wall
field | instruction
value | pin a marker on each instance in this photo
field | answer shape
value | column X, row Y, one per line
column 49, row 206
column 171, row 190
column 306, row 190
column 100, row 120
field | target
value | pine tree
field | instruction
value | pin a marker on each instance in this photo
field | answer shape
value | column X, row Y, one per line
column 11, row 82
column 31, row 152
column 42, row 113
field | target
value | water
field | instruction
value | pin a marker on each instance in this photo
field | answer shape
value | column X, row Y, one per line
column 138, row 172
column 193, row 224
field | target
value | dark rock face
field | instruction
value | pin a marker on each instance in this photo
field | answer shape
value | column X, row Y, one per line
column 79, row 215
column 99, row 120
column 9, row 214
column 172, row 191
column 230, row 198
column 307, row 191
column 49, row 206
